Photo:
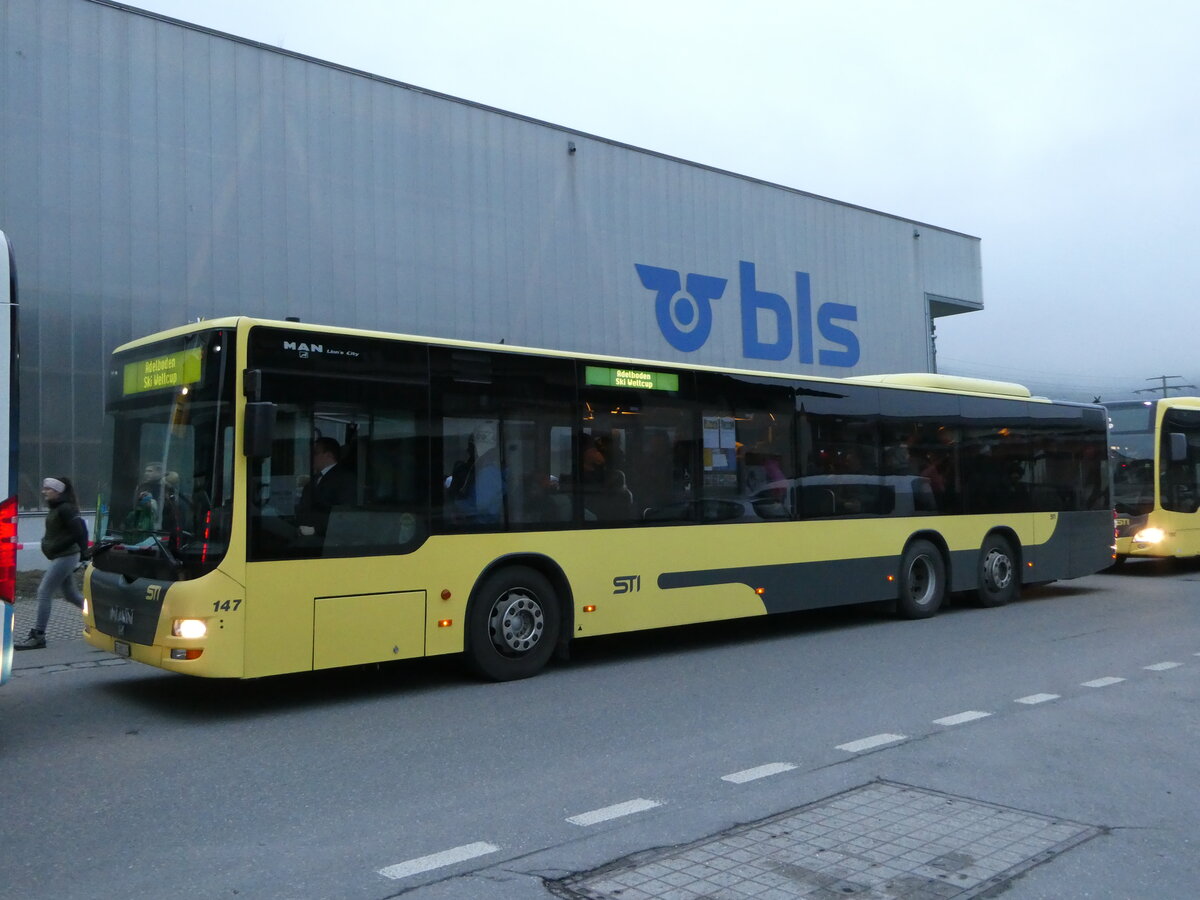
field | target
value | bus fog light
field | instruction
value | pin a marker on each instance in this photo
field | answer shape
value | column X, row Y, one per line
column 189, row 628
column 185, row 654
column 1149, row 536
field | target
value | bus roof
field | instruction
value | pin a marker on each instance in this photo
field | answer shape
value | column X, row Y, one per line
column 959, row 384
column 926, row 381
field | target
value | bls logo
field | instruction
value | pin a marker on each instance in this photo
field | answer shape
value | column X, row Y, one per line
column 685, row 318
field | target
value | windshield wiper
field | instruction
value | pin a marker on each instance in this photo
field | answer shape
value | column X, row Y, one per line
column 171, row 557
column 108, row 544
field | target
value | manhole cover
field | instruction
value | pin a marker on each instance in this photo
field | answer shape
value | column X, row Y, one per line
column 882, row 840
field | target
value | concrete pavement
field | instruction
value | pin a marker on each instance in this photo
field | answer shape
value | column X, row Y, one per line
column 65, row 647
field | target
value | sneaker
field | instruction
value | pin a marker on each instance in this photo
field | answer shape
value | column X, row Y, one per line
column 35, row 641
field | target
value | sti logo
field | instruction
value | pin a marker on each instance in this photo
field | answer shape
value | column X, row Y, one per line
column 685, row 317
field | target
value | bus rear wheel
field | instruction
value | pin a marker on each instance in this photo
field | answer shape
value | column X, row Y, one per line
column 922, row 581
column 513, row 624
column 999, row 575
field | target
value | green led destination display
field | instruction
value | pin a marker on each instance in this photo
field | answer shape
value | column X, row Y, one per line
column 169, row 371
column 631, row 378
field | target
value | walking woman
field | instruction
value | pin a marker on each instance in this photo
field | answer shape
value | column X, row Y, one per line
column 64, row 544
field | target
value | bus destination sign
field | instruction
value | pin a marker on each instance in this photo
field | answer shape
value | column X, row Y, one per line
column 631, row 378
column 162, row 372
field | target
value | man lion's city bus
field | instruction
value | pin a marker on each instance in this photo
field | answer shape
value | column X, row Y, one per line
column 498, row 502
column 1155, row 447
column 9, row 424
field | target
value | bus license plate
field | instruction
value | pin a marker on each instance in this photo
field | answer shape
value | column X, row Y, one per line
column 121, row 648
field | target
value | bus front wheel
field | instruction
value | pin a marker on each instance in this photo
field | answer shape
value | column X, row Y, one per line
column 922, row 581
column 999, row 574
column 513, row 624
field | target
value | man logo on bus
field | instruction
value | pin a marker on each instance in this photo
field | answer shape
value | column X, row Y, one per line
column 686, row 319
column 303, row 349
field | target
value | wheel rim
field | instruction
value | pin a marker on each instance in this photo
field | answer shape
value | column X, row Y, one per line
column 922, row 582
column 997, row 570
column 516, row 623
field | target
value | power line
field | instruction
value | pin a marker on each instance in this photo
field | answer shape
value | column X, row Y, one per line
column 1028, row 373
column 1064, row 385
column 1164, row 387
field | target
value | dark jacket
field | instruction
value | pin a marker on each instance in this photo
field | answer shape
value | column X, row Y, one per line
column 66, row 532
column 322, row 493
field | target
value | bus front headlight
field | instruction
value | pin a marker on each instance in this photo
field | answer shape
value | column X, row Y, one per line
column 1149, row 536
column 189, row 628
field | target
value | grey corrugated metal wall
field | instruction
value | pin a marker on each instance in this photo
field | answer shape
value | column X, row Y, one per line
column 151, row 173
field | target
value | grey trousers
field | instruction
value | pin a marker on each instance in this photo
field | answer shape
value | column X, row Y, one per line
column 60, row 575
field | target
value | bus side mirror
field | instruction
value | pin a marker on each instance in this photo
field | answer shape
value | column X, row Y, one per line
column 1178, row 448
column 259, row 433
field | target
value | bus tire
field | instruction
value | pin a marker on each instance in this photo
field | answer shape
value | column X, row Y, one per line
column 513, row 624
column 999, row 574
column 922, row 581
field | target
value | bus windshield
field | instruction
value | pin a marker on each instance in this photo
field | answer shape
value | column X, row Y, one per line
column 164, row 505
column 1131, row 448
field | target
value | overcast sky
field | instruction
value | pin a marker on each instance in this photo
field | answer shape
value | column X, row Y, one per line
column 1064, row 134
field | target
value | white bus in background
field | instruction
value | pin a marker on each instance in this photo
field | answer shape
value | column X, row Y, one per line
column 10, row 398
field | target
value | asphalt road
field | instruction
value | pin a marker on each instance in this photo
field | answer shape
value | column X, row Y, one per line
column 1078, row 703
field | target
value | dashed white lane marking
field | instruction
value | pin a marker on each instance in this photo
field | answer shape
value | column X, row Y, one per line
column 437, row 860
column 1036, row 698
column 1162, row 666
column 1102, row 682
column 757, row 772
column 872, row 742
column 615, row 811
column 959, row 718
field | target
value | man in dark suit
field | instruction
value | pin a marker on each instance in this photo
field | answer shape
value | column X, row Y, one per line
column 331, row 484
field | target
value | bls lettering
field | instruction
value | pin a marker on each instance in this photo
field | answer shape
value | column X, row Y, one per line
column 685, row 317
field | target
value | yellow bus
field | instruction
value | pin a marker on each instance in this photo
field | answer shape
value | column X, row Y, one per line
column 1155, row 448
column 284, row 497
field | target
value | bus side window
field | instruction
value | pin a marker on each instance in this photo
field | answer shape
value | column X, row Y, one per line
column 504, row 440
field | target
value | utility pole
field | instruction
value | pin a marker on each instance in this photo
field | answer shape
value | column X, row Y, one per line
column 1164, row 387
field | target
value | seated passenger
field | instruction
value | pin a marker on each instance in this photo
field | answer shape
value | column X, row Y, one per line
column 138, row 523
column 615, row 501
